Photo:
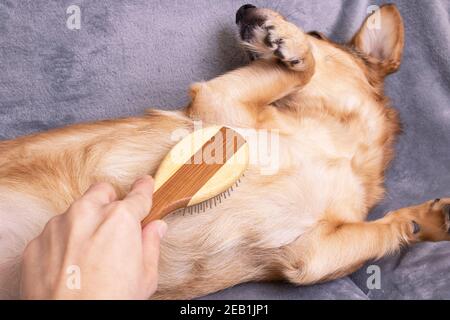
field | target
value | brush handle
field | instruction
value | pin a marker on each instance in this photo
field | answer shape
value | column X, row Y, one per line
column 164, row 203
column 189, row 183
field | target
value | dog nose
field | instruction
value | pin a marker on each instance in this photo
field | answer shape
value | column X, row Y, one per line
column 241, row 12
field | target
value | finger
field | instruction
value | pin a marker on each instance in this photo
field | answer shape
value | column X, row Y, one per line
column 151, row 240
column 88, row 211
column 100, row 193
column 140, row 197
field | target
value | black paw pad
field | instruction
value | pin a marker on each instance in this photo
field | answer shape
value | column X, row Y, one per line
column 268, row 41
column 295, row 62
column 416, row 226
column 279, row 54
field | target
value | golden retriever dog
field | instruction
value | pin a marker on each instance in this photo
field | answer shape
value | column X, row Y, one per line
column 305, row 223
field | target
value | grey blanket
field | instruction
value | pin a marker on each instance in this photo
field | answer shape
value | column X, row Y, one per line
column 134, row 54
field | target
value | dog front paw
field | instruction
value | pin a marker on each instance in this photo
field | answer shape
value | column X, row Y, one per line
column 287, row 43
column 267, row 35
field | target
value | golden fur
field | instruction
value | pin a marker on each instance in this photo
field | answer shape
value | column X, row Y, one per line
column 304, row 223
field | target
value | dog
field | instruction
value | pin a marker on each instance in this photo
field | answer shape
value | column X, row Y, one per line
column 306, row 223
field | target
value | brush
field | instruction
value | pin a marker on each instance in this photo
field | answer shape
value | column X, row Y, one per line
column 199, row 170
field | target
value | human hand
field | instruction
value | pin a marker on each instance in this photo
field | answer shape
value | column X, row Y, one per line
column 97, row 249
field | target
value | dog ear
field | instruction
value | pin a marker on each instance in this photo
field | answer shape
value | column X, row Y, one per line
column 382, row 37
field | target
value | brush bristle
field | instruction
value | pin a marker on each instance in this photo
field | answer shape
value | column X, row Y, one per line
column 210, row 203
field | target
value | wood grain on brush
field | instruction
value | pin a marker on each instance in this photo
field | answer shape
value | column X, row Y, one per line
column 202, row 165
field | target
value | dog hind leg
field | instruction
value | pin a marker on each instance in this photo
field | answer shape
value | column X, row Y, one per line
column 333, row 250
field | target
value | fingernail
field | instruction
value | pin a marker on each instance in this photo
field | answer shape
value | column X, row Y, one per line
column 162, row 228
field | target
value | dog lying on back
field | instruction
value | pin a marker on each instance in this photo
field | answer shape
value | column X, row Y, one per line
column 304, row 223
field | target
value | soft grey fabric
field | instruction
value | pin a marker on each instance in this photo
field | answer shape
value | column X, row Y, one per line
column 343, row 289
column 133, row 54
column 421, row 272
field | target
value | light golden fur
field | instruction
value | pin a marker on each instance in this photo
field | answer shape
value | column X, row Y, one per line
column 306, row 223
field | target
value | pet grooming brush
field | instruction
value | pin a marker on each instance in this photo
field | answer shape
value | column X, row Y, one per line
column 198, row 171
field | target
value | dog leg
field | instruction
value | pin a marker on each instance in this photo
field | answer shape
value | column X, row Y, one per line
column 239, row 97
column 333, row 250
column 246, row 97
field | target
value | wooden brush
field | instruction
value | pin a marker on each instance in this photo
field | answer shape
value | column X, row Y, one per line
column 203, row 165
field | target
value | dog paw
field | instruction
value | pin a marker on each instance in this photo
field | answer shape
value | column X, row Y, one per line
column 267, row 35
column 287, row 43
column 430, row 221
column 441, row 209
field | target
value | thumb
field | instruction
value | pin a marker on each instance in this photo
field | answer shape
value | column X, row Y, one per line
column 151, row 240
